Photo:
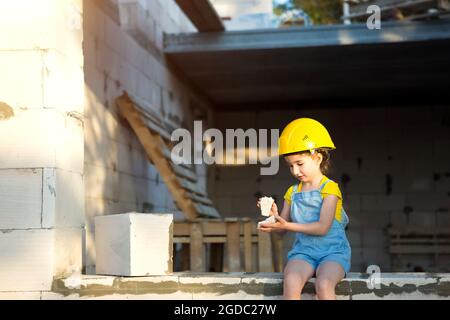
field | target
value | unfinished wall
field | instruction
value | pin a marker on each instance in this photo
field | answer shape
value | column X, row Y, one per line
column 245, row 14
column 41, row 142
column 123, row 51
column 392, row 164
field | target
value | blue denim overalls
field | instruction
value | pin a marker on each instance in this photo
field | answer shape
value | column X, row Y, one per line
column 334, row 246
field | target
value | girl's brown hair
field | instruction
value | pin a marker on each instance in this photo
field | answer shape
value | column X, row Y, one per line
column 325, row 165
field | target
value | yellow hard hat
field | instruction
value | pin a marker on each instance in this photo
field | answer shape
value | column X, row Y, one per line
column 304, row 134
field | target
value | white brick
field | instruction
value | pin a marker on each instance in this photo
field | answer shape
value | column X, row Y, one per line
column 134, row 53
column 21, row 198
column 101, row 182
column 100, row 150
column 132, row 188
column 131, row 161
column 31, row 21
column 94, row 86
column 26, row 260
column 93, row 20
column 63, row 83
column 428, row 201
column 90, row 42
column 63, row 199
column 146, row 88
column 42, row 138
column 422, row 219
column 382, row 203
column 374, row 238
column 398, row 219
column 352, row 203
column 376, row 219
column 68, row 30
column 134, row 244
column 20, row 296
column 114, row 36
column 67, row 252
column 129, row 77
column 21, row 78
column 108, row 61
column 100, row 207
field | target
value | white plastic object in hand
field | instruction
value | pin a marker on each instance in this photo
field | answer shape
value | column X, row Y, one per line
column 270, row 219
column 266, row 205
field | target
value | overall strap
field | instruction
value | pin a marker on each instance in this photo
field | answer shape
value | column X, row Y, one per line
column 323, row 185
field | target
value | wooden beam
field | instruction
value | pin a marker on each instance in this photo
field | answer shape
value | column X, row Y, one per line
column 248, row 256
column 202, row 15
column 233, row 247
column 196, row 248
column 265, row 252
column 151, row 143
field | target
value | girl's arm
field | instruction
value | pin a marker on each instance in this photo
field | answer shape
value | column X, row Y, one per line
column 319, row 228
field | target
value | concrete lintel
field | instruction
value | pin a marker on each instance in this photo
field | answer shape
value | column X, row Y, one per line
column 336, row 35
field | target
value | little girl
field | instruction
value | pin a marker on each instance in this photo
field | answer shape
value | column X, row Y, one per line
column 314, row 206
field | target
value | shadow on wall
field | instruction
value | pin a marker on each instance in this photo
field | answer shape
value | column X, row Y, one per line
column 118, row 176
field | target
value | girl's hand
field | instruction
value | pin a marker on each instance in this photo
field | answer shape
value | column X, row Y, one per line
column 280, row 224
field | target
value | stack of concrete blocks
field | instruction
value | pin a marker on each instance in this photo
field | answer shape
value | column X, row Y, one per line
column 123, row 43
column 41, row 144
column 134, row 245
column 392, row 165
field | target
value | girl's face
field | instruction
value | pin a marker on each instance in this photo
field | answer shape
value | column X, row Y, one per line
column 304, row 166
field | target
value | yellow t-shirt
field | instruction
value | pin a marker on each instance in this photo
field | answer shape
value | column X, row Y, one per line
column 331, row 188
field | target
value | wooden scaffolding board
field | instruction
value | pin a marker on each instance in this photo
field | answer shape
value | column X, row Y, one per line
column 181, row 180
column 238, row 245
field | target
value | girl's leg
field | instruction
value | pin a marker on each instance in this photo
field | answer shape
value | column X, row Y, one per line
column 296, row 274
column 328, row 275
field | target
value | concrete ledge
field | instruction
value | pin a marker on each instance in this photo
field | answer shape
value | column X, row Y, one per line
column 237, row 286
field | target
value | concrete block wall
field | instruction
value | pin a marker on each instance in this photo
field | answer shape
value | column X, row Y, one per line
column 392, row 165
column 123, row 43
column 41, row 142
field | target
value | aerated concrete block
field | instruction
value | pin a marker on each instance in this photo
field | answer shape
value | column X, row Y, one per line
column 134, row 244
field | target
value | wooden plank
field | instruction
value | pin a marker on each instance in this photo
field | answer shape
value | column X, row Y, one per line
column 196, row 248
column 233, row 247
column 157, row 129
column 207, row 210
column 278, row 252
column 209, row 228
column 248, row 265
column 264, row 252
column 151, row 143
column 184, row 172
column 210, row 239
column 202, row 200
column 188, row 185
